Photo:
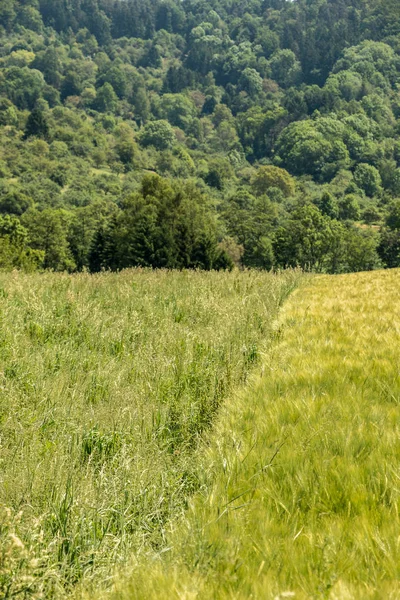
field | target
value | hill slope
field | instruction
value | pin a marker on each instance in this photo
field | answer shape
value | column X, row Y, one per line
column 255, row 115
column 303, row 487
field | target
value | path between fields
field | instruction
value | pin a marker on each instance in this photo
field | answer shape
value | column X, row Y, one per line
column 306, row 463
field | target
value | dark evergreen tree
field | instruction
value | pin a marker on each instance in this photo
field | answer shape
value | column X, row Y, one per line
column 37, row 124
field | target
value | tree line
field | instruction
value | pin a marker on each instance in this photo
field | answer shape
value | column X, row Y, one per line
column 199, row 134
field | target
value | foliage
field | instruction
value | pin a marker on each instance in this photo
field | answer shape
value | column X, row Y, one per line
column 273, row 177
column 159, row 134
column 37, row 125
column 163, row 226
column 289, row 102
column 15, row 248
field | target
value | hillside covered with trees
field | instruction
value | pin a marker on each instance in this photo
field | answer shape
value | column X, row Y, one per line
column 199, row 134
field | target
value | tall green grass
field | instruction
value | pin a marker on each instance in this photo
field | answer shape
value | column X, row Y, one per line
column 107, row 383
column 302, row 470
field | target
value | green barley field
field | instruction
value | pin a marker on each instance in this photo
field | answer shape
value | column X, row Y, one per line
column 190, row 436
column 108, row 386
column 303, row 492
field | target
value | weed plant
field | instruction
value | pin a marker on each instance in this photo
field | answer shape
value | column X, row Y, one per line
column 302, row 474
column 107, row 384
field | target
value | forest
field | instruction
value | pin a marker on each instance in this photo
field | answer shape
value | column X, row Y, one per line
column 202, row 134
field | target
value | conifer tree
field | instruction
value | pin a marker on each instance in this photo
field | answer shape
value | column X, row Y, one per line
column 37, row 124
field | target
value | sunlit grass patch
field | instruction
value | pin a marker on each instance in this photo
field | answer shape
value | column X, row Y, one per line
column 302, row 496
column 107, row 383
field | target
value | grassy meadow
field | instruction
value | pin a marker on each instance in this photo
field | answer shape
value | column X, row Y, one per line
column 107, row 384
column 301, row 476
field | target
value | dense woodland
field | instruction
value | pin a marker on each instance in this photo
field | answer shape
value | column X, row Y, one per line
column 199, row 134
